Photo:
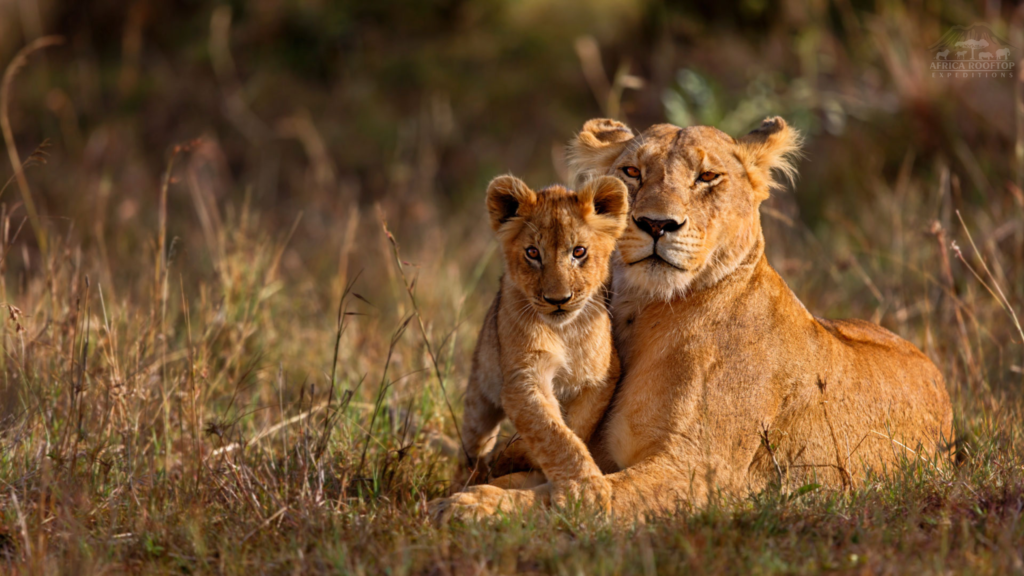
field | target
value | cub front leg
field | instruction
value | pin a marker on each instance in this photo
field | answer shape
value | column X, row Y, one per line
column 583, row 414
column 531, row 405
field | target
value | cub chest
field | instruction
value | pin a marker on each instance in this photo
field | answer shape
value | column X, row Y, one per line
column 584, row 364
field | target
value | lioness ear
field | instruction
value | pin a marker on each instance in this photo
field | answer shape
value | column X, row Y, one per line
column 505, row 194
column 772, row 146
column 593, row 150
column 604, row 202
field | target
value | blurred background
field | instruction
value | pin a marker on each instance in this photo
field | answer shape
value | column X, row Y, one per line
column 204, row 179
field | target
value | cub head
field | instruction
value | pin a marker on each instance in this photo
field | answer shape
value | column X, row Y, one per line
column 694, row 197
column 556, row 242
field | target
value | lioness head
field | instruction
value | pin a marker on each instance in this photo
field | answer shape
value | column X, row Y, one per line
column 694, row 197
column 557, row 243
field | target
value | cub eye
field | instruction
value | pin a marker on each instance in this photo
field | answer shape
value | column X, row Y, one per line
column 707, row 176
column 631, row 171
column 579, row 252
column 532, row 253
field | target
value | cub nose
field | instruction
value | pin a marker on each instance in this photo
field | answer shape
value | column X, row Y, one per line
column 558, row 300
column 657, row 228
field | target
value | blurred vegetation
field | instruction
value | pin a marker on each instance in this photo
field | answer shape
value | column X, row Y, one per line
column 181, row 393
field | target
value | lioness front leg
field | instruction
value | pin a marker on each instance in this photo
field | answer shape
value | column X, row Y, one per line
column 519, row 480
column 658, row 485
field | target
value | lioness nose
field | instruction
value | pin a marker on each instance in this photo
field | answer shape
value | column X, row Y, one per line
column 657, row 228
column 558, row 300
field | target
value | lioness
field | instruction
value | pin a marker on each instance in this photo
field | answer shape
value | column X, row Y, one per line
column 545, row 355
column 729, row 383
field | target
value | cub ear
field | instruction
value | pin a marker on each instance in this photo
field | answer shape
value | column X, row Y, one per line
column 605, row 204
column 772, row 146
column 505, row 195
column 594, row 149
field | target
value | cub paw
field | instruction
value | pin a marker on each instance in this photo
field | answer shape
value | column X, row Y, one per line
column 592, row 493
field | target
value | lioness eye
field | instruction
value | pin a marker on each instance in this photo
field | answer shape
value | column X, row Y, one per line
column 631, row 171
column 707, row 176
column 532, row 253
column 579, row 252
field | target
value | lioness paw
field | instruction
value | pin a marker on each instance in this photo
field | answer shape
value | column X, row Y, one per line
column 483, row 502
column 476, row 503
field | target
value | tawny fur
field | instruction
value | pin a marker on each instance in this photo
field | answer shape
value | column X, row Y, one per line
column 551, row 368
column 729, row 383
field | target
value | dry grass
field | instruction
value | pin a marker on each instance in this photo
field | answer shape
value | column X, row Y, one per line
column 198, row 379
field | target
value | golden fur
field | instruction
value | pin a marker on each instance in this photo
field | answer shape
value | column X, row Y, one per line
column 729, row 383
column 545, row 355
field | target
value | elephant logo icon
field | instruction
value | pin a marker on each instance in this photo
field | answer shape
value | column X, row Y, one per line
column 1003, row 54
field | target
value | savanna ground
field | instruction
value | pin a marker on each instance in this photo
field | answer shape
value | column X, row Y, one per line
column 215, row 358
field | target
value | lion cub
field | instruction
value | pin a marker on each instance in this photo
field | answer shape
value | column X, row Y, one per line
column 545, row 355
